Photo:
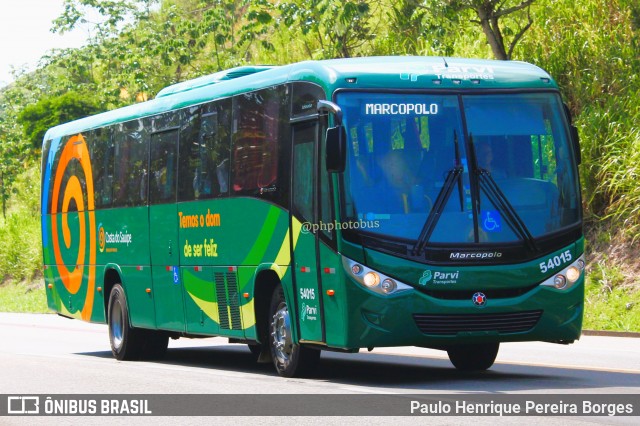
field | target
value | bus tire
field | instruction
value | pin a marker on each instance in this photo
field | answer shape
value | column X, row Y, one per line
column 290, row 359
column 473, row 357
column 129, row 343
column 126, row 341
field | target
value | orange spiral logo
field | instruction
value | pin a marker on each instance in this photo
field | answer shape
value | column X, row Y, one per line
column 75, row 150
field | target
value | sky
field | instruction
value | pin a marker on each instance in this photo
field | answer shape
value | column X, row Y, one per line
column 25, row 34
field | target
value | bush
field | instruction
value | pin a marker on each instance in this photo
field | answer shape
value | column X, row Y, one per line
column 20, row 252
column 591, row 48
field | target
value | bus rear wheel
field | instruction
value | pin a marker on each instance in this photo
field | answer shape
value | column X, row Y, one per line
column 290, row 359
column 473, row 357
column 129, row 343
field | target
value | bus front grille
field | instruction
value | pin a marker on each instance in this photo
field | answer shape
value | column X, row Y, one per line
column 452, row 324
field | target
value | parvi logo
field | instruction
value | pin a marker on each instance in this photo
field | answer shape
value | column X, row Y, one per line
column 453, row 70
column 426, row 277
column 439, row 278
column 308, row 312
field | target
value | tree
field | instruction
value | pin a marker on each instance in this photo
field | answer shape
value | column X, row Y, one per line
column 114, row 14
column 116, row 62
column 48, row 112
column 140, row 46
column 339, row 28
column 416, row 29
column 228, row 28
column 15, row 153
column 406, row 19
column 489, row 14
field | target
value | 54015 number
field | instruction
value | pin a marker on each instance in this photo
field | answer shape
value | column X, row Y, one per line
column 556, row 261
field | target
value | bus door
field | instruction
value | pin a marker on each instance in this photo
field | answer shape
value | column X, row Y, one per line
column 163, row 231
column 307, row 285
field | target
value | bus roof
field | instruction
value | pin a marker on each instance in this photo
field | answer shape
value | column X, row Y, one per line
column 397, row 72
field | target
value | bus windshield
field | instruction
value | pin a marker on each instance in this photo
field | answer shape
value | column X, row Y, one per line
column 476, row 168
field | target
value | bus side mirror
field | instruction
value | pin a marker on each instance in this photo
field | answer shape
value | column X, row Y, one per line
column 336, row 140
column 336, row 149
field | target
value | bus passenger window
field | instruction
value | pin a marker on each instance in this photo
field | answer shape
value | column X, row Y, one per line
column 204, row 152
column 303, row 158
column 255, row 141
column 130, row 174
column 212, row 177
column 102, row 151
column 162, row 167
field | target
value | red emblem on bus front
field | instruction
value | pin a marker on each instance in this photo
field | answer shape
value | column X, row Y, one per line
column 479, row 299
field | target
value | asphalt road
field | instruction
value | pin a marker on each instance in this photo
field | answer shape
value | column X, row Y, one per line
column 47, row 354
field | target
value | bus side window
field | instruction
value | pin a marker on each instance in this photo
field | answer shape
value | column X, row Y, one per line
column 255, row 141
column 204, row 152
column 188, row 154
column 205, row 183
column 162, row 167
column 303, row 161
column 214, row 141
column 130, row 174
column 102, row 151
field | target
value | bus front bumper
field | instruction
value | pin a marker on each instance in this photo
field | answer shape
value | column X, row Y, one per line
column 417, row 319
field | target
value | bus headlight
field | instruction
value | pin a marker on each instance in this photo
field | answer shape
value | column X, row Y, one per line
column 373, row 280
column 573, row 273
column 559, row 281
column 356, row 269
column 388, row 285
column 566, row 278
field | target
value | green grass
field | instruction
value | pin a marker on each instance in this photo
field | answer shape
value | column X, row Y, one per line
column 20, row 251
column 20, row 297
column 612, row 294
column 611, row 309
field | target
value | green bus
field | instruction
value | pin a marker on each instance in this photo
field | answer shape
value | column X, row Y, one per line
column 324, row 205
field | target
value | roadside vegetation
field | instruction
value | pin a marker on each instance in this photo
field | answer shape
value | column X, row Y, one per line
column 140, row 46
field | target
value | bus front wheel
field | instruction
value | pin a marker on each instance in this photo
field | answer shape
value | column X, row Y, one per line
column 473, row 357
column 129, row 343
column 290, row 359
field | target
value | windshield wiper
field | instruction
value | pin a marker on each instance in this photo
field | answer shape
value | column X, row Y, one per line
column 453, row 176
column 458, row 164
column 498, row 199
column 438, row 208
